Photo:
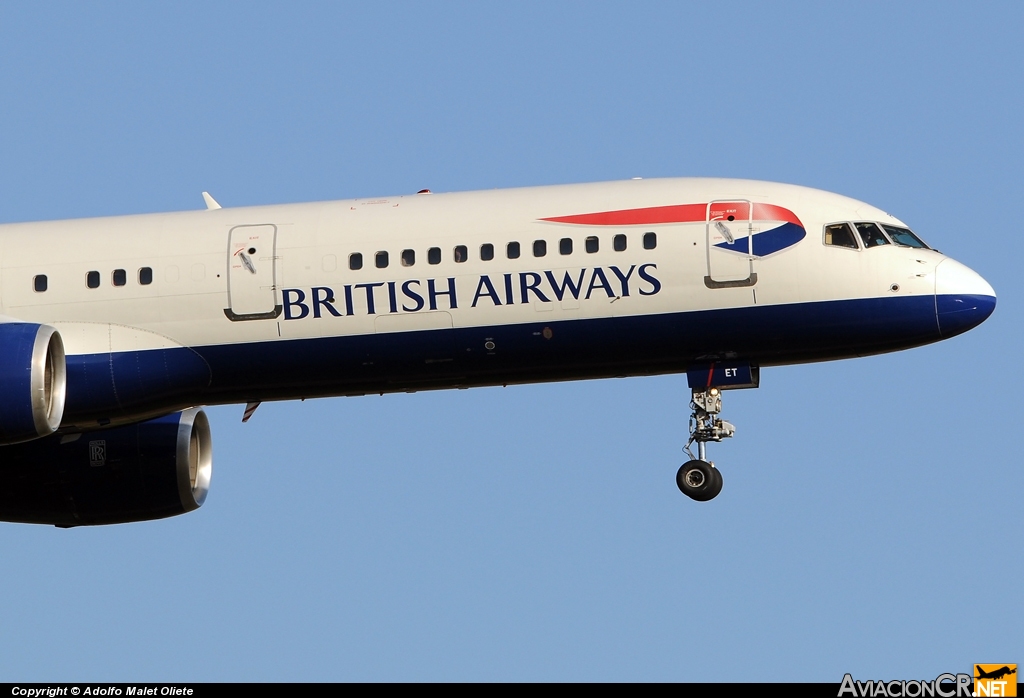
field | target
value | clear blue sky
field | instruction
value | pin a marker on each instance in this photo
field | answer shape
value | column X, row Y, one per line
column 870, row 521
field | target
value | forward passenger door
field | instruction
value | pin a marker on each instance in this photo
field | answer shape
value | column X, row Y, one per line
column 252, row 273
column 729, row 232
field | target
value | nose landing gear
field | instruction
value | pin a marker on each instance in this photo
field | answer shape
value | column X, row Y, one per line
column 698, row 478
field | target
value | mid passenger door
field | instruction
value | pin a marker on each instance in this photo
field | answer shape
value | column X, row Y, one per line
column 252, row 273
column 729, row 228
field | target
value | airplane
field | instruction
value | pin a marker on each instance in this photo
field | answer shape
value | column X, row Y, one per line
column 115, row 331
column 995, row 674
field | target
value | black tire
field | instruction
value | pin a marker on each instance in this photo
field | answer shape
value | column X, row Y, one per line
column 716, row 486
column 699, row 480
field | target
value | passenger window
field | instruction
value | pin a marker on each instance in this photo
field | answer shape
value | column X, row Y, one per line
column 381, row 260
column 408, row 258
column 565, row 246
column 512, row 250
column 650, row 241
column 434, row 255
column 119, row 277
column 145, row 276
column 592, row 244
column 355, row 261
column 840, row 235
column 540, row 248
column 619, row 243
column 461, row 253
column 487, row 252
column 39, row 283
column 870, row 235
column 92, row 279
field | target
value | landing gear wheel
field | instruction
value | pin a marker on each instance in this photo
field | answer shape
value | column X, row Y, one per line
column 699, row 480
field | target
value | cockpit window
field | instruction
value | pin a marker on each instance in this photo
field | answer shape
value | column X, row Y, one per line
column 840, row 235
column 870, row 235
column 902, row 236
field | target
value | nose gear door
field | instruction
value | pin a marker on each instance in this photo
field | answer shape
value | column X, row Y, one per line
column 252, row 273
column 729, row 228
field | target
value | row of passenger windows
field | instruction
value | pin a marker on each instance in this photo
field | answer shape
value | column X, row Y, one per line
column 118, row 277
column 513, row 250
column 460, row 253
column 837, row 235
column 870, row 235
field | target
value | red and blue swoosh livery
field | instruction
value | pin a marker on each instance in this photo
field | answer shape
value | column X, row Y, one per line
column 771, row 228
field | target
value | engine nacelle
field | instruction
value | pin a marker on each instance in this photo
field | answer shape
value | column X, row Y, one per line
column 33, row 381
column 149, row 470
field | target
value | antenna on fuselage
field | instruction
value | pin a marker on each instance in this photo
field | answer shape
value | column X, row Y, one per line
column 211, row 203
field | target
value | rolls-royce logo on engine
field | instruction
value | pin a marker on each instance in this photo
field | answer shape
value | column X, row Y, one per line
column 97, row 453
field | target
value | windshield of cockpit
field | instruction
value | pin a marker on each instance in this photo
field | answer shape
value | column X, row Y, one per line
column 903, row 236
column 870, row 234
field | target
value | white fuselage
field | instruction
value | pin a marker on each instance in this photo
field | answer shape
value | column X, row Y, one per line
column 267, row 297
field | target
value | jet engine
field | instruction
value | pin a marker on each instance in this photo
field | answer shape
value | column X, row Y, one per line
column 149, row 470
column 32, row 381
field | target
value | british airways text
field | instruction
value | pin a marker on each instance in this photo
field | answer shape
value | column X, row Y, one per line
column 414, row 295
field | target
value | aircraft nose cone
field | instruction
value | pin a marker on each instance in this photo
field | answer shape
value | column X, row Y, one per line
column 963, row 299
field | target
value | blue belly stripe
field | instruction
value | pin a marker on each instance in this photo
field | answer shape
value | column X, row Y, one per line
column 536, row 351
column 594, row 348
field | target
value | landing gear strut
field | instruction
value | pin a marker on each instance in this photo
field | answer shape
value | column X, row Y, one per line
column 698, row 478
